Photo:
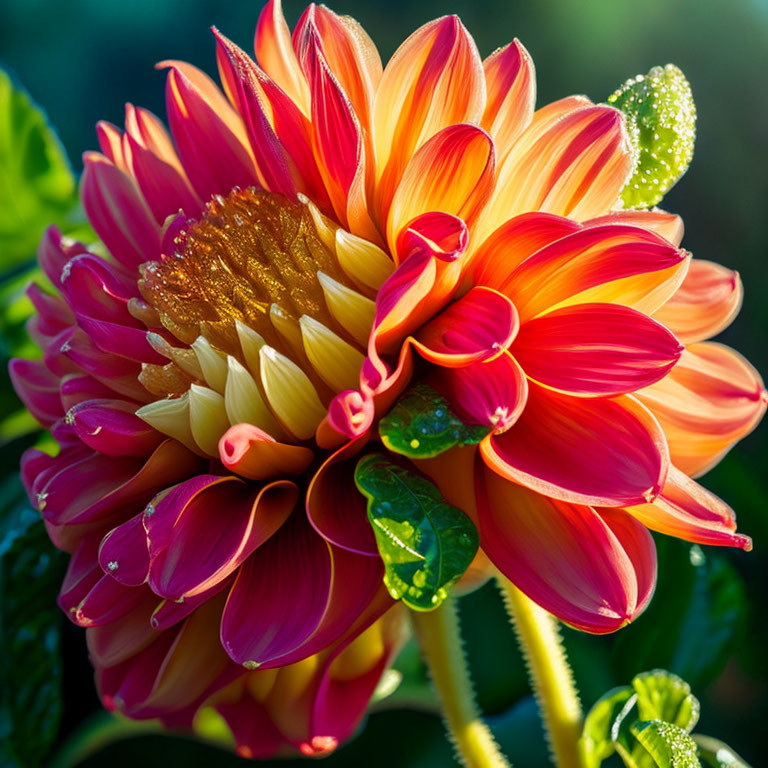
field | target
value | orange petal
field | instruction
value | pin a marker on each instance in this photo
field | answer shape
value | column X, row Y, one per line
column 434, row 79
column 612, row 263
column 510, row 79
column 275, row 54
column 688, row 511
column 576, row 168
column 452, row 172
column 668, row 225
column 705, row 304
column 250, row 452
column 711, row 399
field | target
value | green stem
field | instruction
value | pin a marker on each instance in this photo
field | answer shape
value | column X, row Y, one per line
column 551, row 677
column 440, row 641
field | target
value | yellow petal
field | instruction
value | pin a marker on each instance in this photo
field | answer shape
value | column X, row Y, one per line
column 363, row 261
column 337, row 362
column 212, row 363
column 207, row 418
column 171, row 417
column 244, row 402
column 353, row 312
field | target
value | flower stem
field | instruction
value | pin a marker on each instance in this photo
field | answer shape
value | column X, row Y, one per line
column 438, row 634
column 550, row 675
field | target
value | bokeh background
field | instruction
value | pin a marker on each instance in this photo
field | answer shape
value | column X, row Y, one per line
column 83, row 59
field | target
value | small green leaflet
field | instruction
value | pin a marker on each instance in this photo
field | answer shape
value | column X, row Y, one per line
column 669, row 746
column 716, row 754
column 426, row 544
column 421, row 425
column 661, row 120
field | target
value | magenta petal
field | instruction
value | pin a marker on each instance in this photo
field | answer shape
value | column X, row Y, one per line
column 596, row 349
column 594, row 573
column 54, row 252
column 106, row 601
column 54, row 316
column 113, row 643
column 171, row 612
column 477, row 327
column 83, row 572
column 492, row 393
column 124, row 553
column 608, row 452
column 204, row 546
column 279, row 596
column 118, row 213
column 38, row 389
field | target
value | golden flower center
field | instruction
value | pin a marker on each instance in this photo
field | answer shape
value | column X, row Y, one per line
column 272, row 305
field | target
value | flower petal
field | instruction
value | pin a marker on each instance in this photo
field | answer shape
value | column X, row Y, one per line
column 610, row 263
column 492, row 393
column 452, row 172
column 279, row 596
column 705, row 303
column 609, row 452
column 204, row 546
column 38, row 389
column 711, row 399
column 124, row 553
column 510, row 79
column 688, row 511
column 595, row 573
column 668, row 225
column 433, row 80
column 595, row 349
column 477, row 327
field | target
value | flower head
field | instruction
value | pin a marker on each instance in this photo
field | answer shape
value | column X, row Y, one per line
column 310, row 246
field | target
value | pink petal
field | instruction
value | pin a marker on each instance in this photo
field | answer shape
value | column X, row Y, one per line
column 107, row 601
column 124, row 553
column 113, row 643
column 38, row 389
column 592, row 572
column 477, row 327
column 609, row 452
column 54, row 252
column 595, row 349
column 209, row 134
column 118, row 213
column 492, row 393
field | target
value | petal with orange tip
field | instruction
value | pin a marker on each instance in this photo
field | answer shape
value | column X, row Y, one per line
column 350, row 53
column 250, row 452
column 668, row 225
column 612, row 263
column 688, row 511
column 512, row 243
column 492, row 393
column 595, row 350
column 710, row 400
column 609, row 452
column 593, row 572
column 433, row 80
column 706, row 302
column 116, row 210
column 576, row 169
column 452, row 172
column 209, row 134
column 510, row 79
column 274, row 52
column 477, row 327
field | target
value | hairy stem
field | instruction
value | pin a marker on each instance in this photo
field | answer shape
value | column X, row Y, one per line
column 438, row 634
column 550, row 675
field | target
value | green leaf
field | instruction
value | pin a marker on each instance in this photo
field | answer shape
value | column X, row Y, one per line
column 37, row 187
column 669, row 746
column 661, row 121
column 426, row 544
column 596, row 743
column 421, row 425
column 717, row 754
column 690, row 628
column 30, row 667
column 664, row 696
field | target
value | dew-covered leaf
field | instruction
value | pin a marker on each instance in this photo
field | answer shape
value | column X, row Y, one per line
column 421, row 425
column 667, row 745
column 425, row 544
column 664, row 696
column 661, row 121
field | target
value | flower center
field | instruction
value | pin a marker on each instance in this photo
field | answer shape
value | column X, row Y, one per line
column 273, row 306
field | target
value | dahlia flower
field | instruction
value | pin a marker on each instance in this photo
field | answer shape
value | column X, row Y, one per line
column 309, row 247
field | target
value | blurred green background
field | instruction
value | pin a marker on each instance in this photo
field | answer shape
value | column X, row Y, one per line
column 83, row 59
